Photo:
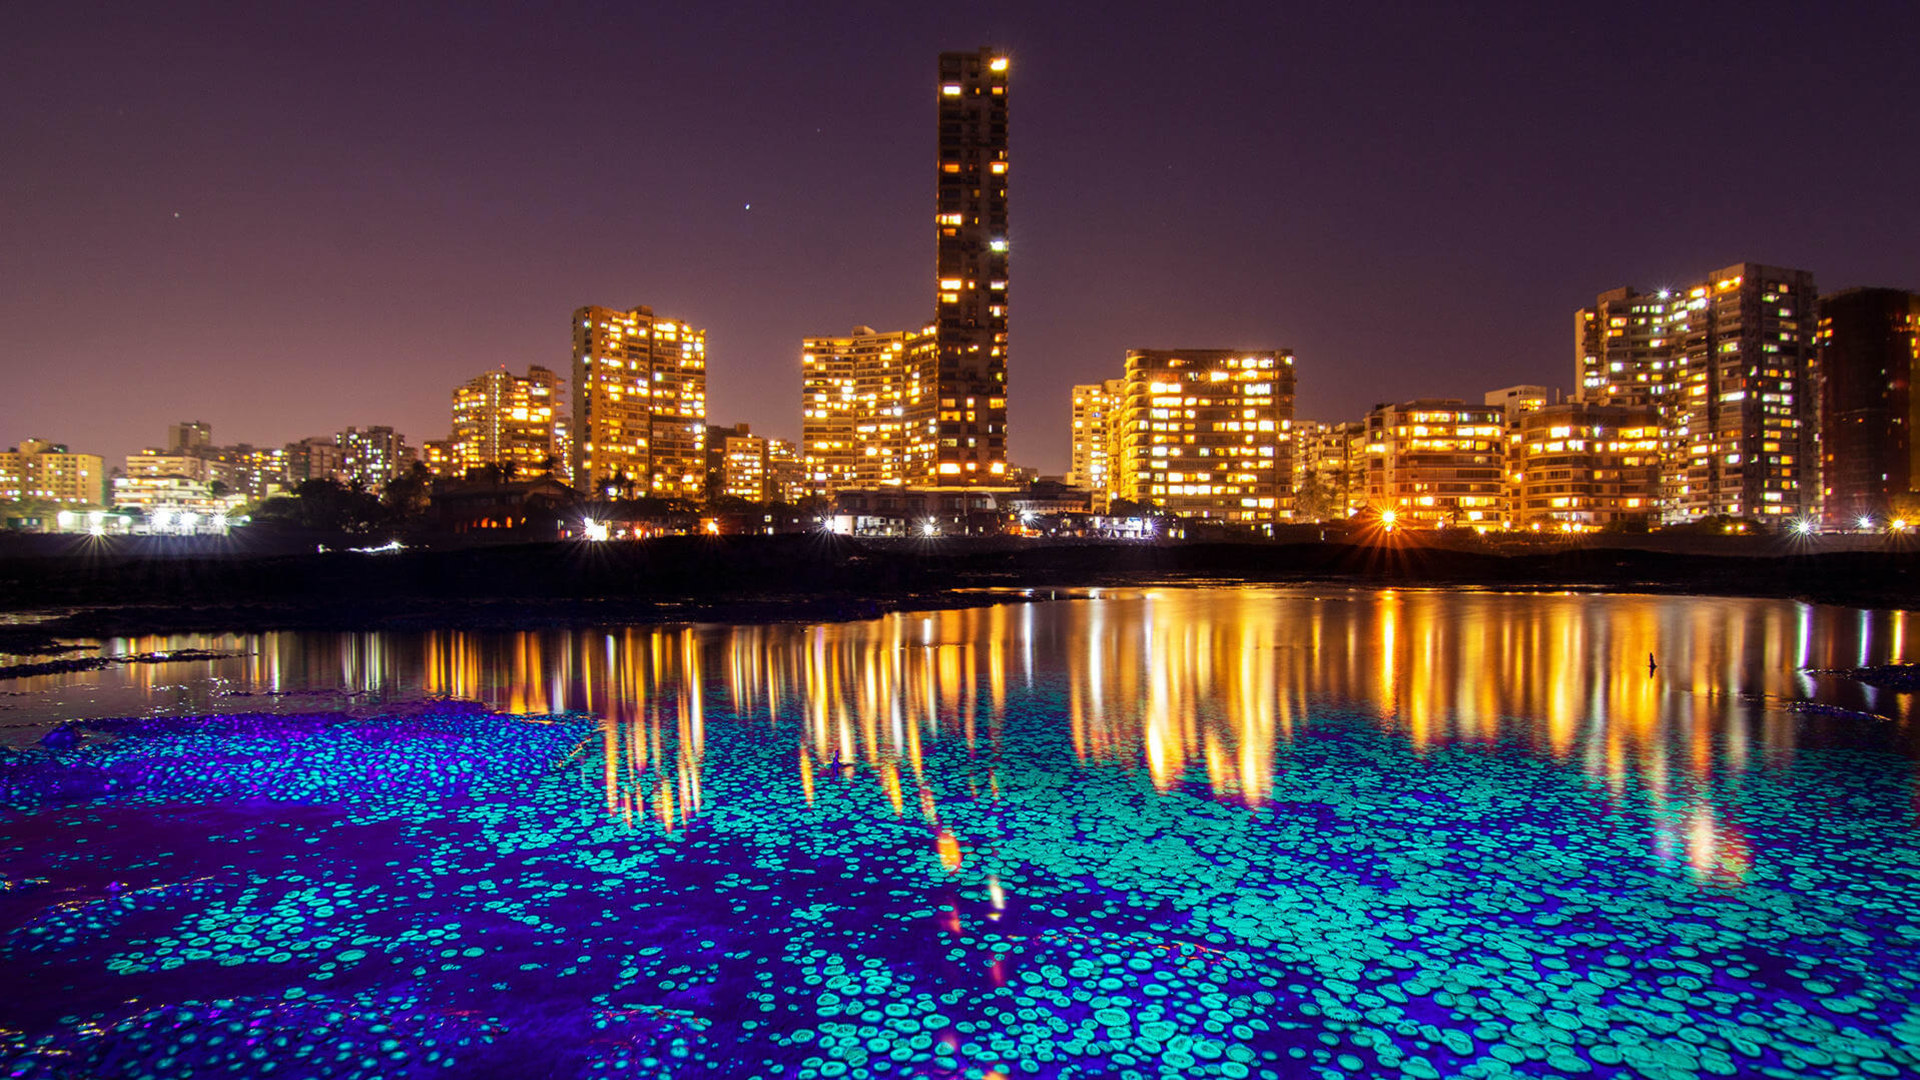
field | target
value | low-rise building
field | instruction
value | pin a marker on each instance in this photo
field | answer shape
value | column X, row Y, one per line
column 42, row 471
column 175, row 504
column 1329, row 469
column 1579, row 466
column 1437, row 463
column 916, row 512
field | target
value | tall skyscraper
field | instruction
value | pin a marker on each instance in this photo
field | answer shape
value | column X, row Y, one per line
column 867, row 409
column 512, row 421
column 1741, row 425
column 1207, row 433
column 1869, row 351
column 971, row 269
column 639, row 404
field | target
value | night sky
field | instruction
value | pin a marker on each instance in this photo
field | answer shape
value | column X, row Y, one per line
column 288, row 218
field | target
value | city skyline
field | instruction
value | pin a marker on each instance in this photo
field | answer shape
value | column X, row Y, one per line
column 1433, row 243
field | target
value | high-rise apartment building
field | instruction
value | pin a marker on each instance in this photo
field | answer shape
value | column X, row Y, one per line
column 258, row 472
column 1869, row 342
column 786, row 472
column 1092, row 405
column 1741, row 425
column 639, row 403
column 971, row 269
column 867, row 416
column 1623, row 348
column 314, row 458
column 1207, row 433
column 1730, row 364
column 743, row 465
column 511, row 421
column 42, row 471
column 371, row 456
column 1437, row 463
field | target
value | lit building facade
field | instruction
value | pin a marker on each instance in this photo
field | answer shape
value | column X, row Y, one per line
column 1207, row 433
column 1741, row 425
column 176, row 503
column 258, row 472
column 1869, row 341
column 1730, row 363
column 189, row 436
column 743, row 465
column 371, row 456
column 867, row 415
column 437, row 455
column 1624, row 349
column 971, row 269
column 315, row 458
column 1437, row 463
column 639, row 403
column 513, row 421
column 1578, row 466
column 1092, row 405
column 1514, row 401
column 42, row 471
column 152, row 462
column 786, row 471
column 1329, row 469
column 744, row 468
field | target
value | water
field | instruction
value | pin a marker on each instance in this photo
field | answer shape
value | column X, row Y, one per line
column 1234, row 832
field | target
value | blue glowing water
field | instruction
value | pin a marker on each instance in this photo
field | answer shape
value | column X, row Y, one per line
column 1158, row 837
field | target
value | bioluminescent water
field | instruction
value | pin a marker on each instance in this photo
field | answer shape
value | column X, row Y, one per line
column 1234, row 832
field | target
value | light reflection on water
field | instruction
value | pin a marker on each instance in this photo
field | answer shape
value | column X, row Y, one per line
column 1185, row 683
column 1441, row 824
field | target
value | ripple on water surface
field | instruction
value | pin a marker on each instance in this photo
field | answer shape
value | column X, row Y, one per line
column 450, row 892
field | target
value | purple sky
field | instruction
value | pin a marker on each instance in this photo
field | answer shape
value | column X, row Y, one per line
column 288, row 218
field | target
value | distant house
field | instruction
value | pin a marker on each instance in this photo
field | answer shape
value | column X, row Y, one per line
column 901, row 511
column 532, row 509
